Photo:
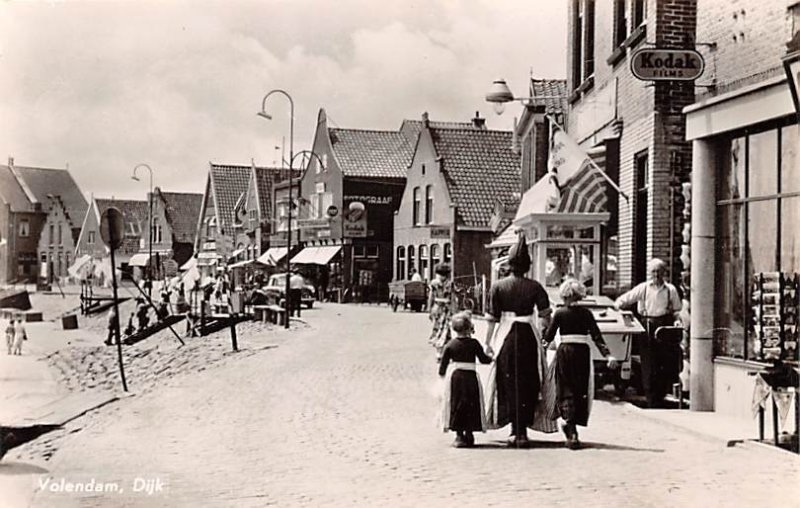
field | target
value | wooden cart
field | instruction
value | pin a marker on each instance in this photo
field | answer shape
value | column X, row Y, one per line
column 407, row 294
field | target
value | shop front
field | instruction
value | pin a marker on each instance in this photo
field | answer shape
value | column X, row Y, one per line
column 745, row 252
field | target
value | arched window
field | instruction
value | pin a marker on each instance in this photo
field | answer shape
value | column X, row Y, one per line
column 448, row 253
column 211, row 228
column 412, row 265
column 424, row 265
column 435, row 257
column 400, row 270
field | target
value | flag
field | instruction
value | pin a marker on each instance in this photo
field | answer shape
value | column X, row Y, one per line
column 581, row 185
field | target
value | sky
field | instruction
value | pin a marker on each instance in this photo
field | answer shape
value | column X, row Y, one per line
column 102, row 86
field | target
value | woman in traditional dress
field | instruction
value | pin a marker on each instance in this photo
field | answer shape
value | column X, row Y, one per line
column 515, row 379
column 440, row 307
column 573, row 372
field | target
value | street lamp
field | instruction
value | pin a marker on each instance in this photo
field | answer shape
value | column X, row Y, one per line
column 499, row 95
column 263, row 114
column 791, row 65
column 150, row 226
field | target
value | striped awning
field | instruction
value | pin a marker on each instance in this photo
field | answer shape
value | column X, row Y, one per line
column 273, row 256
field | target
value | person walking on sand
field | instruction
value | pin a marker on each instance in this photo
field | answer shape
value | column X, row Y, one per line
column 572, row 369
column 462, row 403
column 9, row 330
column 20, row 335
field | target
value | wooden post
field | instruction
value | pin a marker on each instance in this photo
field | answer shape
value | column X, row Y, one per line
column 117, row 335
column 233, row 333
column 202, row 318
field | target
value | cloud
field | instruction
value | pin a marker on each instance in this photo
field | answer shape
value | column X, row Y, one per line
column 105, row 86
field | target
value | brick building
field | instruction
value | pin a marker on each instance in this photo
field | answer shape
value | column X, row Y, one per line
column 745, row 192
column 254, row 212
column 457, row 174
column 637, row 127
column 32, row 200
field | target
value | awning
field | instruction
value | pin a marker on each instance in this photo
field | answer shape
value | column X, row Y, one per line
column 316, row 255
column 139, row 260
column 235, row 253
column 272, row 256
column 505, row 239
column 241, row 264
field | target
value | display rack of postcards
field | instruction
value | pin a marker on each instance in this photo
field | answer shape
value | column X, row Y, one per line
column 775, row 311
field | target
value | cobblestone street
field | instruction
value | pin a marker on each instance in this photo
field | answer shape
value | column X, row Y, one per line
column 343, row 413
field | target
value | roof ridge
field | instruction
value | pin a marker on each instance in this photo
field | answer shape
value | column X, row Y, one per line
column 364, row 130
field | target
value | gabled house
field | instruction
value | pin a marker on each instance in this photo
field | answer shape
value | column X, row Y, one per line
column 216, row 235
column 350, row 195
column 32, row 200
column 134, row 214
column 254, row 212
column 454, row 181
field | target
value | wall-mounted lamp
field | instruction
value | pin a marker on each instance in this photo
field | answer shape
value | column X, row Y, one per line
column 791, row 65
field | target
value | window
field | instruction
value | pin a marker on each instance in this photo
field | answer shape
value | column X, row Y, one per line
column 412, row 265
column 435, row 257
column 428, row 204
column 582, row 41
column 60, row 235
column 400, row 270
column 52, row 236
column 415, row 211
column 756, row 215
column 157, row 232
column 620, row 27
column 325, row 200
column 639, row 13
column 448, row 253
column 211, row 228
column 640, row 217
column 371, row 251
column 424, row 265
column 24, row 228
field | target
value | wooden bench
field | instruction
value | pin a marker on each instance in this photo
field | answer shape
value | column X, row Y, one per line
column 272, row 313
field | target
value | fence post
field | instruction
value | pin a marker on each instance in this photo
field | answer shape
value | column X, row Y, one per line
column 233, row 332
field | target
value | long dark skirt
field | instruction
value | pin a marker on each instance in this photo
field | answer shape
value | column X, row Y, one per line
column 572, row 382
column 517, row 377
column 465, row 401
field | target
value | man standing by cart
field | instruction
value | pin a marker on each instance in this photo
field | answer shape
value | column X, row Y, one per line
column 657, row 304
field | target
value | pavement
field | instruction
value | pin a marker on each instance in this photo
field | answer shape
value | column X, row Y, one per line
column 342, row 412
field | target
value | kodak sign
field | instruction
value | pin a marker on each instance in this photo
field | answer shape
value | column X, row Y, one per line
column 652, row 64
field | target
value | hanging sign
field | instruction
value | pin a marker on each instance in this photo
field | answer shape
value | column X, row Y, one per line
column 653, row 64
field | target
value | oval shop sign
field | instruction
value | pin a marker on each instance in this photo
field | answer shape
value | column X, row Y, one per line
column 652, row 64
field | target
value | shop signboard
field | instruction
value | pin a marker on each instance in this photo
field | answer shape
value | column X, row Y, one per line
column 354, row 224
column 440, row 232
column 654, row 64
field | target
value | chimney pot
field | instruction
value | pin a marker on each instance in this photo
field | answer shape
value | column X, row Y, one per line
column 425, row 120
column 11, row 161
column 478, row 122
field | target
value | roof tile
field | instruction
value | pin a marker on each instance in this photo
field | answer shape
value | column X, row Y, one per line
column 369, row 153
column 229, row 183
column 183, row 210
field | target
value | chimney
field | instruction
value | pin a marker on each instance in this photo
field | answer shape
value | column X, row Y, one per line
column 425, row 122
column 478, row 122
column 11, row 162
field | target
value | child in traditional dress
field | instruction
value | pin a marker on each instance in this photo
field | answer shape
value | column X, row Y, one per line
column 10, row 335
column 462, row 404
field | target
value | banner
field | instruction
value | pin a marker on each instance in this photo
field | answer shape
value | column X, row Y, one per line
column 581, row 185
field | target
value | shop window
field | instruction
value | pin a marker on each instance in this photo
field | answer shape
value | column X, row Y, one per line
column 424, row 265
column 412, row 265
column 416, row 209
column 756, row 216
column 24, row 228
column 358, row 251
column 428, row 204
column 400, row 270
column 448, row 253
column 371, row 251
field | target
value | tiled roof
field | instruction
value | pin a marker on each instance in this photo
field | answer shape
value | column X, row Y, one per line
column 12, row 193
column 556, row 89
column 265, row 177
column 57, row 182
column 229, row 183
column 412, row 128
column 135, row 214
column 183, row 210
column 480, row 168
column 366, row 153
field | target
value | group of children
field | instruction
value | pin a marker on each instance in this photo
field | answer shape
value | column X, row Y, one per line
column 571, row 373
column 15, row 335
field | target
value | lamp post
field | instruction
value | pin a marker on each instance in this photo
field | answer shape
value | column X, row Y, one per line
column 791, row 65
column 263, row 114
column 150, row 226
column 499, row 95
